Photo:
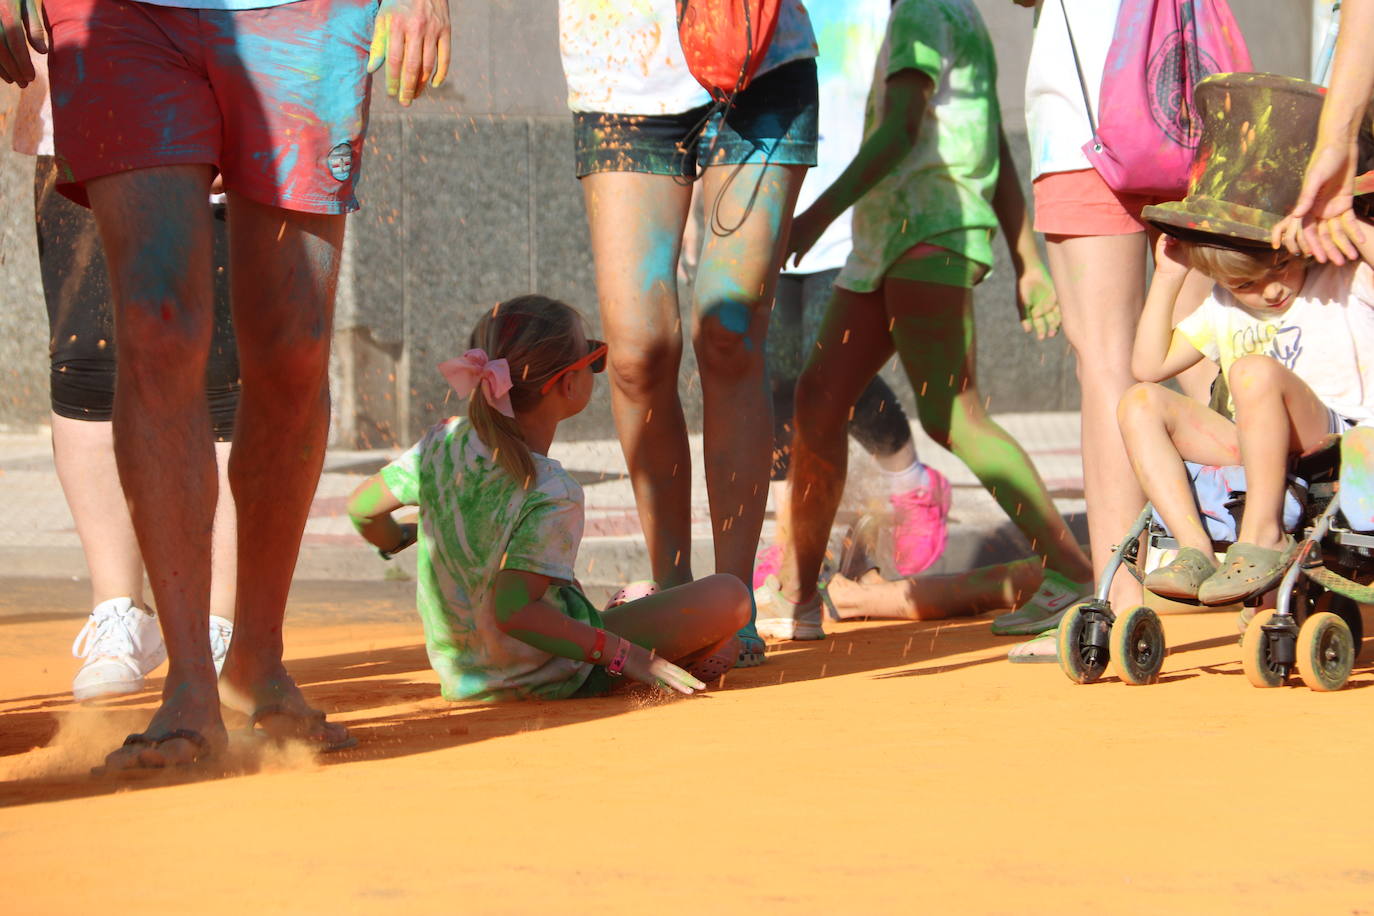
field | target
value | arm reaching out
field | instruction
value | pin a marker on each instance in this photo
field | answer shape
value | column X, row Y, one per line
column 1036, row 301
column 1160, row 352
column 905, row 98
column 521, row 613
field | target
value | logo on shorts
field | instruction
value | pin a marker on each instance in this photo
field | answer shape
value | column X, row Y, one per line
column 340, row 161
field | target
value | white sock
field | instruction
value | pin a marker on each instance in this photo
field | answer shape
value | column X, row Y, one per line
column 906, row 480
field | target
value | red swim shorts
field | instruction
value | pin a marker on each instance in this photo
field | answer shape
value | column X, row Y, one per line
column 1081, row 203
column 275, row 98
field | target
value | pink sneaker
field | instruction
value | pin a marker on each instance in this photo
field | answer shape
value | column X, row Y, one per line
column 918, row 524
column 767, row 562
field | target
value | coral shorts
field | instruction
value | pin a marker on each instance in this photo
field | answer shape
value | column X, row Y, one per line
column 275, row 98
column 1081, row 203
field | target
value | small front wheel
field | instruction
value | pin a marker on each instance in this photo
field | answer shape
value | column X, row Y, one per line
column 1138, row 646
column 1257, row 655
column 1083, row 642
column 1326, row 652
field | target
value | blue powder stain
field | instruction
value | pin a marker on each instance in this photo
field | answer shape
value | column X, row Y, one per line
column 733, row 317
column 660, row 261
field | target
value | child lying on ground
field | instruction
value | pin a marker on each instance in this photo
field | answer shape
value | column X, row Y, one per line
column 935, row 597
column 1295, row 341
column 499, row 528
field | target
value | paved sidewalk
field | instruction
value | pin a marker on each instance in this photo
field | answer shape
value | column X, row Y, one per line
column 40, row 539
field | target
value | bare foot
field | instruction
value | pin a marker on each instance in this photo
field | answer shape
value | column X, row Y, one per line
column 193, row 711
column 848, row 596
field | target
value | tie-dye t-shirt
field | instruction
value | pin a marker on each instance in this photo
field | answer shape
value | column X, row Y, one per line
column 1326, row 337
column 940, row 192
column 623, row 56
column 474, row 522
column 849, row 34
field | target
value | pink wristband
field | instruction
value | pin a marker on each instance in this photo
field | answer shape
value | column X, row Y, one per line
column 622, row 653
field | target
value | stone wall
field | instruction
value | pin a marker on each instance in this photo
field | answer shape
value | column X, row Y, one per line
column 469, row 198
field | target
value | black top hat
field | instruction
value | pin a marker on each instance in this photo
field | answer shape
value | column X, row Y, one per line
column 1258, row 131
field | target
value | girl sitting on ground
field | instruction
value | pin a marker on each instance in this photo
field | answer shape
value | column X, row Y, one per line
column 922, row 185
column 1295, row 341
column 499, row 528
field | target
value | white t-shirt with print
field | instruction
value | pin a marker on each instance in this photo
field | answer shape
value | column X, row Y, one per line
column 624, row 57
column 849, row 34
column 1056, row 119
column 1326, row 337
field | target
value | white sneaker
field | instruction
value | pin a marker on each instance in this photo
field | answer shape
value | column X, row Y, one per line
column 120, row 643
column 221, row 632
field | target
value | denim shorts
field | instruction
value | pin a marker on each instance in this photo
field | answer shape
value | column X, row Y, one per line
column 773, row 122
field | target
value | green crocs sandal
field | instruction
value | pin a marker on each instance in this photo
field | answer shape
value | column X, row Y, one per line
column 1247, row 570
column 1181, row 577
column 1056, row 594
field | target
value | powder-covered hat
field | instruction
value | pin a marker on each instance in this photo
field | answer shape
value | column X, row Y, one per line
column 1258, row 131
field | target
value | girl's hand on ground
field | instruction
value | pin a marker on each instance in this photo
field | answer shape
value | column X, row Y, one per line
column 413, row 37
column 1037, row 303
column 647, row 668
column 1321, row 223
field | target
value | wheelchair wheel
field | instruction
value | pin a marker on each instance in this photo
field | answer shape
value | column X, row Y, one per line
column 1084, row 636
column 1257, row 653
column 1138, row 646
column 1326, row 652
column 1343, row 608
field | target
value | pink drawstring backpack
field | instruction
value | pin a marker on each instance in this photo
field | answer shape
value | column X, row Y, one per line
column 1144, row 132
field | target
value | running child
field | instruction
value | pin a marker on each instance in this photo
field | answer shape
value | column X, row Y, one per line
column 499, row 528
column 923, row 186
column 1295, row 341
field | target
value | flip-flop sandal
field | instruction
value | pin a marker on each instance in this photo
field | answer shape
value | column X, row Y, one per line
column 204, row 752
column 1248, row 569
column 308, row 727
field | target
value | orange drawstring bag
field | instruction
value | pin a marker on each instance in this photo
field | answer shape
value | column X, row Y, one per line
column 724, row 41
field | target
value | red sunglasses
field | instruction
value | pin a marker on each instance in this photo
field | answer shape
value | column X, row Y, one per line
column 596, row 358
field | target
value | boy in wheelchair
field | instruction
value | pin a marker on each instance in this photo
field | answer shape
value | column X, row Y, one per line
column 1295, row 342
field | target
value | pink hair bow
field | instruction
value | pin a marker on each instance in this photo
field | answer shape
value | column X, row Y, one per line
column 473, row 368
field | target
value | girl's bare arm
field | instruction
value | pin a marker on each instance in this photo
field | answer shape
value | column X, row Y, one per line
column 370, row 508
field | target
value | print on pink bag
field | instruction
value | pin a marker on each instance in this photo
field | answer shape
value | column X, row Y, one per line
column 1160, row 50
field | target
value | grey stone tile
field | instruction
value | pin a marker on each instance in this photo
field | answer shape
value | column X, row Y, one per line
column 376, row 300
column 525, row 67
column 467, row 239
column 23, row 322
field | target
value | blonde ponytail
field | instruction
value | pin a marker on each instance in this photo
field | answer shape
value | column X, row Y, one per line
column 502, row 435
